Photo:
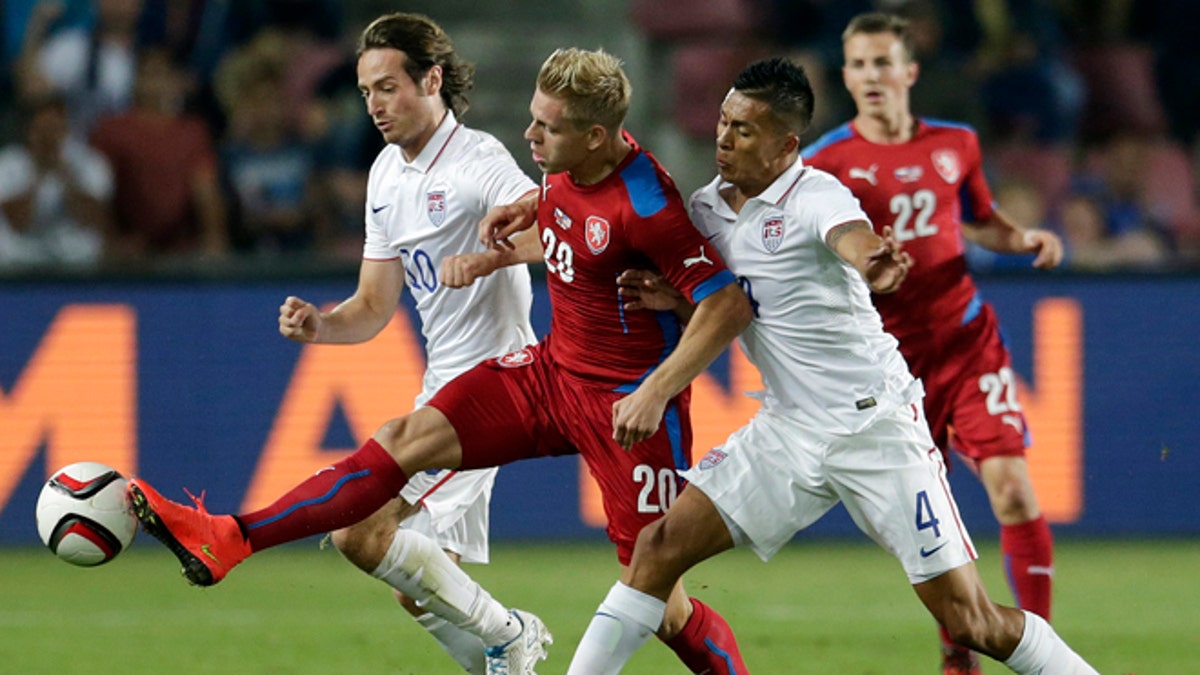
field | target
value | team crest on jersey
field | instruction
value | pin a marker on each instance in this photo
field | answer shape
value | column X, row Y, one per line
column 561, row 219
column 521, row 357
column 908, row 174
column 772, row 233
column 435, row 206
column 713, row 458
column 946, row 162
column 596, row 231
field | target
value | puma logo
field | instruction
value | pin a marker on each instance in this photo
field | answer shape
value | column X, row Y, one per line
column 688, row 262
column 865, row 174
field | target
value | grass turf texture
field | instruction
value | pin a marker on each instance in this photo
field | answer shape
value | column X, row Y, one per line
column 818, row 607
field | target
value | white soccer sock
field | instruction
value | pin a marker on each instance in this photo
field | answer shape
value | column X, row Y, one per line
column 623, row 623
column 415, row 566
column 466, row 649
column 1042, row 651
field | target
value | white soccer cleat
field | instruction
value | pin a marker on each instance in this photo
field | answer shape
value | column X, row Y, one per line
column 519, row 655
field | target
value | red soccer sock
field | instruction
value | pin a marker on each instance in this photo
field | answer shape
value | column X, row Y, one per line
column 332, row 498
column 1028, row 550
column 706, row 644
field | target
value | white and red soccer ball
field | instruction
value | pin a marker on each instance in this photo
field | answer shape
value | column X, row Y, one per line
column 83, row 515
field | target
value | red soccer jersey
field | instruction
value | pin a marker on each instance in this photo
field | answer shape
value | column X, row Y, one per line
column 921, row 189
column 634, row 218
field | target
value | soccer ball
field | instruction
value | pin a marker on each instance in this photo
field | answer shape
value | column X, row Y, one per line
column 83, row 516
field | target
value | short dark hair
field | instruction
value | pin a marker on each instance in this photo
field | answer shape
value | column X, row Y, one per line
column 426, row 45
column 874, row 23
column 784, row 87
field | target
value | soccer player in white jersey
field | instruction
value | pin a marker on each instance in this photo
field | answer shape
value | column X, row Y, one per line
column 841, row 419
column 427, row 191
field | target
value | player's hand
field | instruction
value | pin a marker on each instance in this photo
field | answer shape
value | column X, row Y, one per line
column 299, row 320
column 1046, row 245
column 636, row 417
column 642, row 289
column 888, row 265
column 460, row 271
column 501, row 222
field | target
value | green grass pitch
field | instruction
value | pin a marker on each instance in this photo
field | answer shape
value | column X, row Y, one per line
column 819, row 607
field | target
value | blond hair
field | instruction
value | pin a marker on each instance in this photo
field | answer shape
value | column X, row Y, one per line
column 591, row 83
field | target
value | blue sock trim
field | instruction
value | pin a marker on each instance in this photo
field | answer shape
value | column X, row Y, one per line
column 721, row 653
column 309, row 502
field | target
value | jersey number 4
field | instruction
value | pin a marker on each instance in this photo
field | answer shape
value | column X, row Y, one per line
column 912, row 215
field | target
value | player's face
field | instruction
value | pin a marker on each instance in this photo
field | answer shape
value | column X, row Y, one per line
column 557, row 143
column 877, row 73
column 407, row 113
column 752, row 149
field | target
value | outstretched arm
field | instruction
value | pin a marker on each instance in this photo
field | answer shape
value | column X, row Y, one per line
column 459, row 271
column 878, row 259
column 358, row 318
column 1002, row 235
column 718, row 319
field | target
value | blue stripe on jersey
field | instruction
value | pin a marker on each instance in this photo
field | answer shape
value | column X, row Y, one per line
column 675, row 433
column 641, row 182
column 309, row 502
column 724, row 655
column 669, row 324
column 947, row 124
column 973, row 308
column 711, row 285
column 829, row 138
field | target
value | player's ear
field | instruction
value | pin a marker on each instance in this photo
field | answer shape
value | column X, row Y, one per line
column 596, row 136
column 914, row 69
column 432, row 80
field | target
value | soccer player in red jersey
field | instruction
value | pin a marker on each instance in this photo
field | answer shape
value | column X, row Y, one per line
column 609, row 385
column 923, row 181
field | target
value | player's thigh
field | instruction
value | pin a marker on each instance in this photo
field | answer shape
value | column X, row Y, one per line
column 892, row 480
column 767, row 482
column 638, row 485
column 498, row 411
column 986, row 416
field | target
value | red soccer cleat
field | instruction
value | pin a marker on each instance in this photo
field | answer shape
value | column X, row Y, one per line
column 960, row 662
column 208, row 546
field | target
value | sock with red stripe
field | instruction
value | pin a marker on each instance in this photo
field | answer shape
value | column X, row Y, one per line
column 706, row 644
column 335, row 497
column 1028, row 550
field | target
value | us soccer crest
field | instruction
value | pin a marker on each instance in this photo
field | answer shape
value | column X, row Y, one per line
column 772, row 233
column 596, row 231
column 946, row 163
column 521, row 357
column 713, row 458
column 435, row 206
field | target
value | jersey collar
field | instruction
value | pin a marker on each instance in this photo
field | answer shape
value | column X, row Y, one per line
column 433, row 149
column 776, row 192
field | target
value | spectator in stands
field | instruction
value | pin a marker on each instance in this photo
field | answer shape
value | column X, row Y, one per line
column 1091, row 246
column 168, row 198
column 54, row 193
column 268, row 166
column 93, row 66
column 1030, row 90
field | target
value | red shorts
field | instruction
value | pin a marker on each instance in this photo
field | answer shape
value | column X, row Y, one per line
column 971, row 390
column 522, row 405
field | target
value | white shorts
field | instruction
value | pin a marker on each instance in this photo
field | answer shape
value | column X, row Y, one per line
column 775, row 477
column 455, row 507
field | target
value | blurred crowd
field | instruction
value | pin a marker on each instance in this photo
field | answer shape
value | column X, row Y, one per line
column 210, row 129
column 1086, row 109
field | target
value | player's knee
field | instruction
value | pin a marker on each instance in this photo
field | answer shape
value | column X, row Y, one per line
column 363, row 544
column 410, row 605
column 1015, row 501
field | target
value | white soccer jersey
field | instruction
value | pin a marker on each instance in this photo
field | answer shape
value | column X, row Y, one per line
column 816, row 338
column 425, row 210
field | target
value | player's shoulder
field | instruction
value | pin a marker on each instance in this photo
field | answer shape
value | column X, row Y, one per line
column 949, row 129
column 829, row 141
column 649, row 186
